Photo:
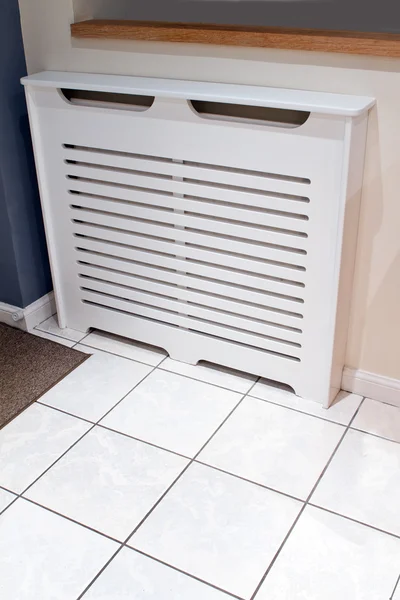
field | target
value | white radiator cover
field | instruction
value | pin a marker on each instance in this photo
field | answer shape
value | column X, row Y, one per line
column 231, row 242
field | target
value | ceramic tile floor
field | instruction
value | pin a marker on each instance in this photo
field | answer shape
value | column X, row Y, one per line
column 140, row 478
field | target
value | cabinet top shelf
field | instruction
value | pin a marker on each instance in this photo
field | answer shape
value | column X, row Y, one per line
column 251, row 95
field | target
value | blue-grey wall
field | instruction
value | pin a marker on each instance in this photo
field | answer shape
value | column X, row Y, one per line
column 24, row 269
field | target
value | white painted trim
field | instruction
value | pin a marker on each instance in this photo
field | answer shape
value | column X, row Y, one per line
column 377, row 387
column 11, row 315
column 319, row 102
column 29, row 317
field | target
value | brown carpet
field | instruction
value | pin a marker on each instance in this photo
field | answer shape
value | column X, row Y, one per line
column 29, row 366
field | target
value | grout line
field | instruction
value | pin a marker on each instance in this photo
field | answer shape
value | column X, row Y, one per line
column 64, row 412
column 63, row 337
column 78, row 343
column 127, row 435
column 52, row 337
column 193, row 460
column 225, row 420
column 85, row 434
column 84, row 338
column 159, row 366
column 184, row 572
column 220, row 387
column 263, row 578
column 333, row 512
column 98, row 424
column 395, row 588
column 381, row 402
column 143, row 441
column 8, row 506
column 307, row 502
column 134, row 530
column 124, row 544
column 120, row 355
column 380, row 437
column 20, row 495
column 261, row 485
column 187, row 466
column 208, row 382
column 104, row 567
column 168, row 370
column 303, row 412
column 12, row 501
column 131, row 437
column 134, row 387
column 46, row 319
column 58, row 337
column 56, row 461
column 55, row 512
column 164, row 494
column 6, row 489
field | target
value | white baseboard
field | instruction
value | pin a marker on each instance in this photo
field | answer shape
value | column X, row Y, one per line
column 29, row 317
column 373, row 386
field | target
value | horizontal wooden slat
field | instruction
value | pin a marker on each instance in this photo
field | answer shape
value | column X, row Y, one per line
column 290, row 221
column 144, row 304
column 280, row 310
column 170, row 284
column 226, row 196
column 220, row 175
column 144, row 180
column 284, row 270
column 285, row 285
column 206, row 224
column 349, row 42
column 263, row 289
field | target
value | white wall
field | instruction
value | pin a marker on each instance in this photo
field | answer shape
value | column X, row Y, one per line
column 374, row 333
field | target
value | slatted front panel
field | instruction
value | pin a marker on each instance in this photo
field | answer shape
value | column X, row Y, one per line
column 215, row 250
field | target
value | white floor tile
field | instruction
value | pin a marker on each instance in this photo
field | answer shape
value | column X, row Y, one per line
column 274, row 446
column 132, row 575
column 173, row 412
column 5, row 499
column 380, row 419
column 46, row 557
column 96, row 385
column 363, row 482
column 330, row 558
column 217, row 376
column 108, row 482
column 125, row 347
column 32, row 442
column 53, row 338
column 51, row 326
column 219, row 528
column 341, row 411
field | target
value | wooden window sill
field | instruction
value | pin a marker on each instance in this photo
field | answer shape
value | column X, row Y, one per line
column 348, row 42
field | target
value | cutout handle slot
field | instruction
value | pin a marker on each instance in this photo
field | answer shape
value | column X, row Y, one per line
column 240, row 113
column 108, row 99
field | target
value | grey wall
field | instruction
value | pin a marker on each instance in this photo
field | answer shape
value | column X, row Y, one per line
column 24, row 269
column 358, row 15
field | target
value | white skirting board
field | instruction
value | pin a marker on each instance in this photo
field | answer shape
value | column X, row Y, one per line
column 377, row 387
column 27, row 318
